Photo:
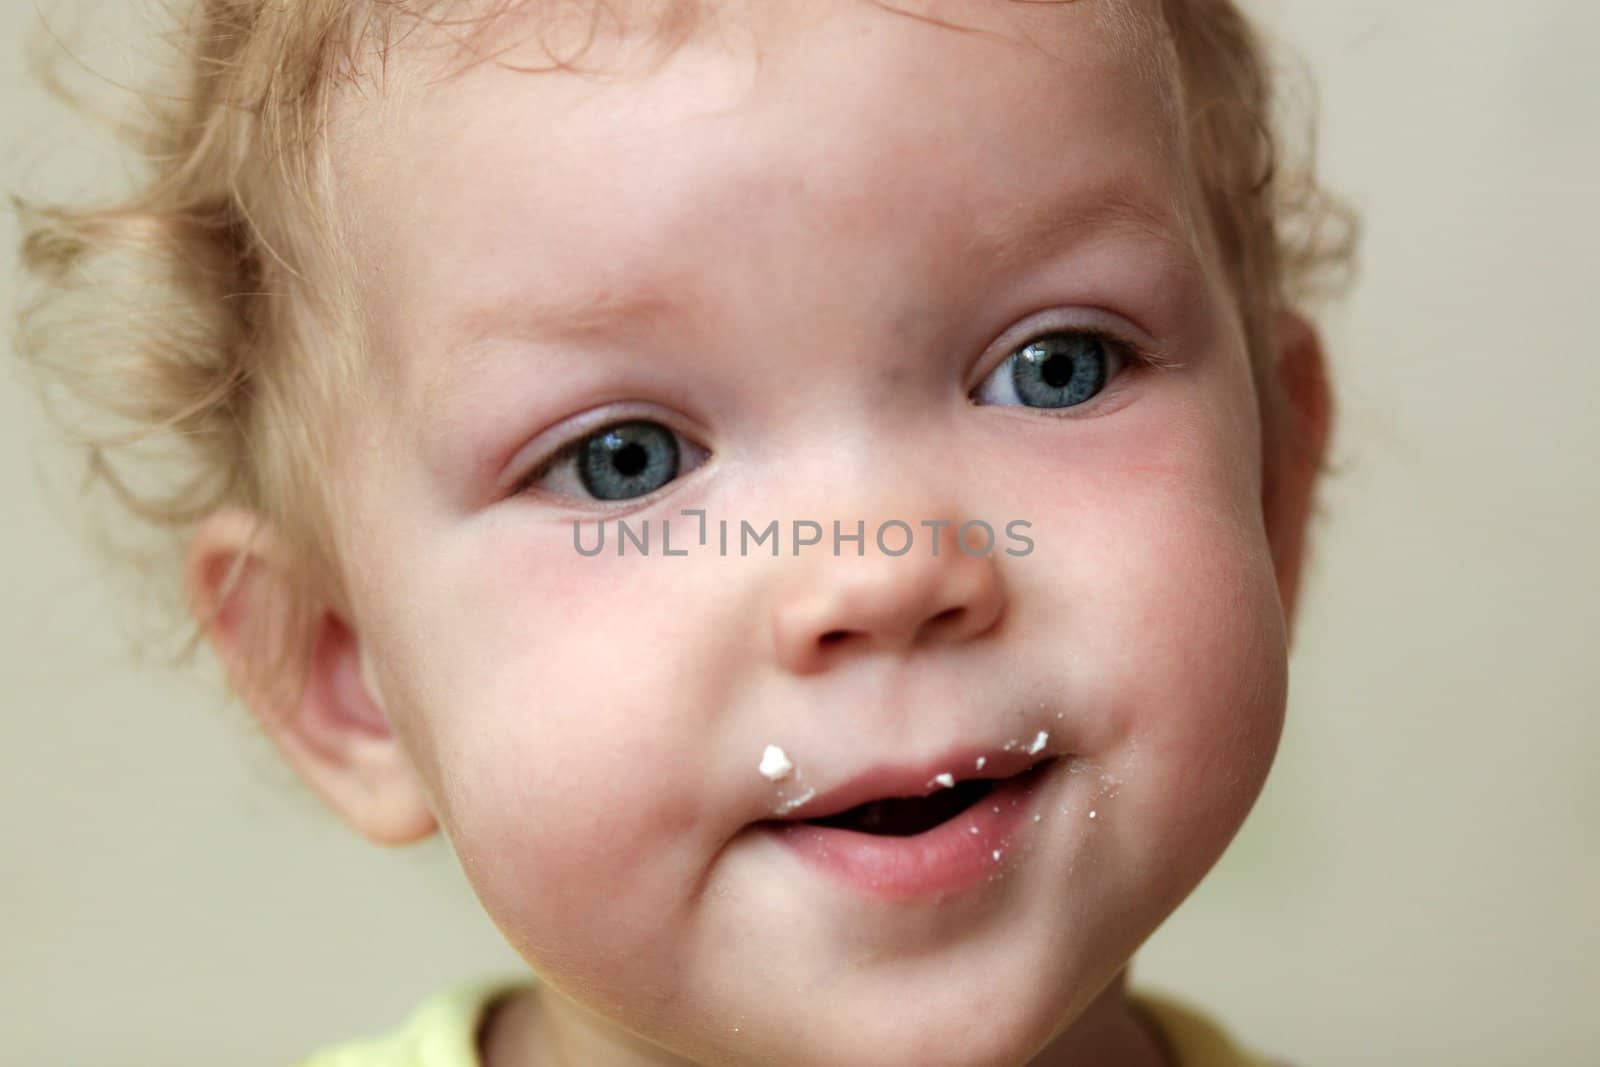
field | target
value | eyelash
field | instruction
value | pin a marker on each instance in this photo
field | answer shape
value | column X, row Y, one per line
column 1130, row 354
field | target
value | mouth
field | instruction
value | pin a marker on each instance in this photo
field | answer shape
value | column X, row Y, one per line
column 889, row 836
column 910, row 815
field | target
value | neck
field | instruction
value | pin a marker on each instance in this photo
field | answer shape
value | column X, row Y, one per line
column 519, row 1030
column 1112, row 1032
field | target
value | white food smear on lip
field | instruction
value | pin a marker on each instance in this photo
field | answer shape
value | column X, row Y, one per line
column 775, row 764
column 946, row 779
column 1040, row 739
column 789, row 805
column 981, row 761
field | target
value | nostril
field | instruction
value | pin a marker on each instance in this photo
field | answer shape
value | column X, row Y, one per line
column 833, row 637
column 949, row 614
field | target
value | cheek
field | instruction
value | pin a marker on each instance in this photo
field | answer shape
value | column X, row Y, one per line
column 1213, row 676
column 569, row 702
column 1162, row 593
column 1204, row 672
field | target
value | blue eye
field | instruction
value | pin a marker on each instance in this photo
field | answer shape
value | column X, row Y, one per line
column 1060, row 369
column 619, row 462
column 633, row 459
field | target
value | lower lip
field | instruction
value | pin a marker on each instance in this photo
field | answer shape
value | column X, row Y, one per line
column 954, row 855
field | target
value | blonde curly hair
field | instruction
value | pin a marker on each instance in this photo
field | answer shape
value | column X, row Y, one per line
column 176, row 336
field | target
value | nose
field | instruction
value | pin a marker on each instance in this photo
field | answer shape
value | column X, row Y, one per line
column 937, row 592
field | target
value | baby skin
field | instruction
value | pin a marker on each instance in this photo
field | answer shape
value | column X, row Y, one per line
column 822, row 261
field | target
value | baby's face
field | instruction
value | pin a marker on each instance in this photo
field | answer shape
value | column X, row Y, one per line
column 803, row 264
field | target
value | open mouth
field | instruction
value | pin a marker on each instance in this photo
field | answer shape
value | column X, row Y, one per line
column 909, row 816
column 905, row 816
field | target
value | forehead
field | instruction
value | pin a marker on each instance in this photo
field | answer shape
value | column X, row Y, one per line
column 664, row 143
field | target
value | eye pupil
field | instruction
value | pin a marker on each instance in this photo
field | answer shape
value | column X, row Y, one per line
column 1057, row 371
column 629, row 460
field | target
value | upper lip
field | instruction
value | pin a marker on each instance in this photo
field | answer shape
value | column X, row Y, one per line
column 906, row 780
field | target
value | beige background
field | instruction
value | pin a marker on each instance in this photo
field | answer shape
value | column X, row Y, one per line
column 1417, row 885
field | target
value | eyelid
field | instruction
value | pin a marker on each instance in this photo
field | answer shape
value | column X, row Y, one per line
column 1139, row 346
column 572, row 432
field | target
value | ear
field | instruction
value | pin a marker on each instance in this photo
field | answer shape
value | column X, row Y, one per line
column 1301, row 445
column 332, row 728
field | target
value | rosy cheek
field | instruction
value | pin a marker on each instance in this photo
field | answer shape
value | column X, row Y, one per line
column 568, row 766
column 1221, row 676
column 558, row 853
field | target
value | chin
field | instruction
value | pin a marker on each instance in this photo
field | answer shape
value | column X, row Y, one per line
column 1004, row 1027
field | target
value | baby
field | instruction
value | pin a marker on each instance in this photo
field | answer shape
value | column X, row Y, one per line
column 807, row 498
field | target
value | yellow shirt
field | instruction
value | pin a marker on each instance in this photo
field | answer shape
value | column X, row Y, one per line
column 443, row 1032
column 1193, row 1039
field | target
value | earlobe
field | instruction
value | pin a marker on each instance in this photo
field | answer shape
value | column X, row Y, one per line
column 331, row 727
column 1300, row 444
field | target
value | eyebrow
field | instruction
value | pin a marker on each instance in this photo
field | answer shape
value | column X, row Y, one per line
column 528, row 318
column 480, row 330
column 1116, row 210
column 591, row 315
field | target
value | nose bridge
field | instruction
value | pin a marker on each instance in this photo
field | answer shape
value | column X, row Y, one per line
column 863, row 421
column 888, row 575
